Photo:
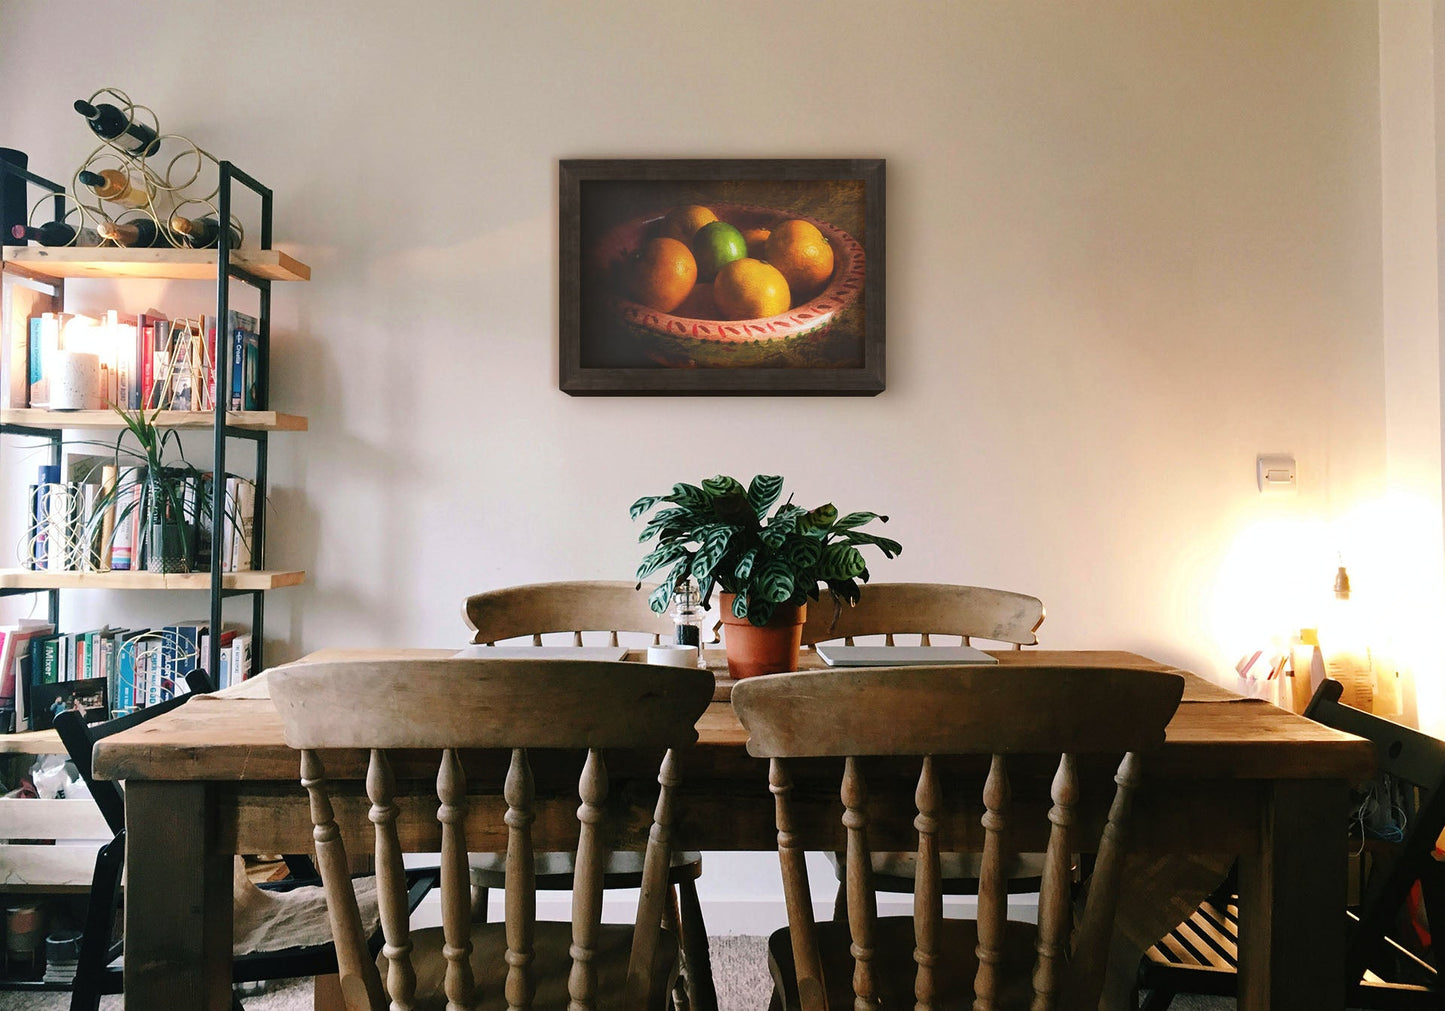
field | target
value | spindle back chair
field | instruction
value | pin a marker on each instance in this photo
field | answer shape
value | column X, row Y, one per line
column 536, row 609
column 615, row 607
column 926, row 610
column 506, row 707
column 938, row 713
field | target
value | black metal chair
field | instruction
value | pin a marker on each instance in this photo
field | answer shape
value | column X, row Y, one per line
column 99, row 970
column 1200, row 955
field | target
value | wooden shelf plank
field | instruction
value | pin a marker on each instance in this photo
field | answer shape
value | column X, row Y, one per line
column 269, row 421
column 31, row 742
column 50, row 262
column 27, row 579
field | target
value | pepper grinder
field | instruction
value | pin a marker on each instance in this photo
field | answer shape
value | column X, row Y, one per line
column 687, row 618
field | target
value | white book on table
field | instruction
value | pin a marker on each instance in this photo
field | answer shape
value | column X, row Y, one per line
column 902, row 656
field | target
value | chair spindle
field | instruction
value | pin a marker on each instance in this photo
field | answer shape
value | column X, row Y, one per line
column 521, row 892
column 391, row 888
column 1091, row 945
column 654, row 897
column 456, row 883
column 360, row 982
column 862, row 903
column 587, row 884
column 796, row 894
column 927, row 891
column 1055, row 909
column 992, row 886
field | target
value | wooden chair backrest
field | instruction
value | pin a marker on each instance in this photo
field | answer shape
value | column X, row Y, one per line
column 508, row 705
column 944, row 711
column 581, row 606
column 80, row 738
column 1412, row 758
column 928, row 609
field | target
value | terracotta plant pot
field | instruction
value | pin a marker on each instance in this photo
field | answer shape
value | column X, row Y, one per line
column 766, row 649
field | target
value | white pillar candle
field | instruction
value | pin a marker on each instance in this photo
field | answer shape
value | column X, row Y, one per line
column 75, row 382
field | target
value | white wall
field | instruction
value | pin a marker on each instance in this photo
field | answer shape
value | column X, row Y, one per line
column 1131, row 245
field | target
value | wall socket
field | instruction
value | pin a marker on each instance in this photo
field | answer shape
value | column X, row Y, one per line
column 1275, row 474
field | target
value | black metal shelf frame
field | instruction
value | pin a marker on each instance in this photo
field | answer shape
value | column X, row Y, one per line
column 226, row 272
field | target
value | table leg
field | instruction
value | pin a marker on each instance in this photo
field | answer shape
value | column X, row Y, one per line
column 178, row 900
column 1292, row 900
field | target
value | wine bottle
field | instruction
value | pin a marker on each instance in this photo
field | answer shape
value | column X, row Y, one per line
column 56, row 233
column 112, row 124
column 137, row 232
column 202, row 233
column 116, row 187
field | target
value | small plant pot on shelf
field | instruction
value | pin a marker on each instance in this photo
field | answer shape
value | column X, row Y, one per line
column 762, row 649
column 167, row 550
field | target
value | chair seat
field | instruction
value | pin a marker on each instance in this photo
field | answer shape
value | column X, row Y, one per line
column 958, row 872
column 275, row 920
column 551, row 966
column 555, row 870
column 1201, row 955
column 895, row 969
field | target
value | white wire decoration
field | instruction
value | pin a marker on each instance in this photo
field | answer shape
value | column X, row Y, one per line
column 178, row 178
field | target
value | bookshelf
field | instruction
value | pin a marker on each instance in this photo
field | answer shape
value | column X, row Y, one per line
column 34, row 278
column 58, row 263
column 251, row 421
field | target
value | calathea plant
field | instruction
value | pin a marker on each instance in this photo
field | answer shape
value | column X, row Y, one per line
column 721, row 535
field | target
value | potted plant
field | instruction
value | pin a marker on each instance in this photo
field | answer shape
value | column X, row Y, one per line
column 173, row 506
column 767, row 567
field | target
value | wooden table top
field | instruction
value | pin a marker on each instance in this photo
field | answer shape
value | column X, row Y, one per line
column 235, row 735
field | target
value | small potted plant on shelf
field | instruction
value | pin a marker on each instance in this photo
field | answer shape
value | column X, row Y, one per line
column 170, row 497
column 767, row 567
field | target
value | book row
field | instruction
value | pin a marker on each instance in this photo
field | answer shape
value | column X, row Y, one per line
column 65, row 361
column 106, row 671
column 94, row 520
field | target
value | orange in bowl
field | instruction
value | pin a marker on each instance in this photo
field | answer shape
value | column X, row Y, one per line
column 682, row 223
column 757, row 240
column 803, row 256
column 663, row 274
column 751, row 289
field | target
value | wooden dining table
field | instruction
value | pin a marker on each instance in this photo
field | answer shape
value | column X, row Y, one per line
column 1235, row 778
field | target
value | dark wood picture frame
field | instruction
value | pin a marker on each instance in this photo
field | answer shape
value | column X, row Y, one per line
column 584, row 371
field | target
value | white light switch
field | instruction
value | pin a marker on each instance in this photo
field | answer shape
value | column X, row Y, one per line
column 1275, row 474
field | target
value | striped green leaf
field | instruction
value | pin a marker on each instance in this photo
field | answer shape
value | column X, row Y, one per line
column 763, row 491
column 722, row 485
column 775, row 582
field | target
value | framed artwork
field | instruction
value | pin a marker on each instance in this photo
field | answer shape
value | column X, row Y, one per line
column 722, row 276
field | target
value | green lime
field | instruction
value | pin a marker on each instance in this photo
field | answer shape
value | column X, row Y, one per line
column 715, row 245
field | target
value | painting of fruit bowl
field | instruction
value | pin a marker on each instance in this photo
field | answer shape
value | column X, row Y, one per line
column 730, row 285
column 725, row 276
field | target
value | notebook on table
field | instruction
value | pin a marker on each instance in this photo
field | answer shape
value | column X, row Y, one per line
column 901, row 656
column 482, row 652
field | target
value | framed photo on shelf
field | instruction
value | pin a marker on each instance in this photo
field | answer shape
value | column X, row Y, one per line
column 722, row 276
